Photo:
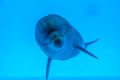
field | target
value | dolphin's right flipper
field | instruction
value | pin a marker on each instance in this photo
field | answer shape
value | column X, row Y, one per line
column 48, row 67
column 86, row 51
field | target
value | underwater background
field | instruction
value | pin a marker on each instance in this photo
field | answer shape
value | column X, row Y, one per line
column 22, row 59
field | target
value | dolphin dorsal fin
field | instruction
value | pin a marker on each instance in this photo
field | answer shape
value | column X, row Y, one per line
column 88, row 43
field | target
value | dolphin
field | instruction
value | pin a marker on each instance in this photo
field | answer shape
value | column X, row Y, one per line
column 59, row 40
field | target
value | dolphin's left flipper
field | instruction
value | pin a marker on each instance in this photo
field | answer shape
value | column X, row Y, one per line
column 86, row 51
column 48, row 67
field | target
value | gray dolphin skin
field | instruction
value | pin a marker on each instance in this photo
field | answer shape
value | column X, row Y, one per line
column 59, row 40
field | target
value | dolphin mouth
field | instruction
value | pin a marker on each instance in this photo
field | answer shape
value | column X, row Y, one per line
column 58, row 42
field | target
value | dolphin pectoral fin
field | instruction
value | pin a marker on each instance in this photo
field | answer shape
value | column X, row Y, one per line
column 86, row 51
column 48, row 67
column 88, row 43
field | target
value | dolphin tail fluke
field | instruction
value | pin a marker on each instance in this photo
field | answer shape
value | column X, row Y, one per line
column 48, row 67
column 88, row 43
column 86, row 51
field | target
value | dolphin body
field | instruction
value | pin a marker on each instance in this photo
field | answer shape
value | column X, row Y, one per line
column 59, row 40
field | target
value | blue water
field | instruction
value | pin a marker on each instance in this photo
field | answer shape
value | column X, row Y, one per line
column 22, row 59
